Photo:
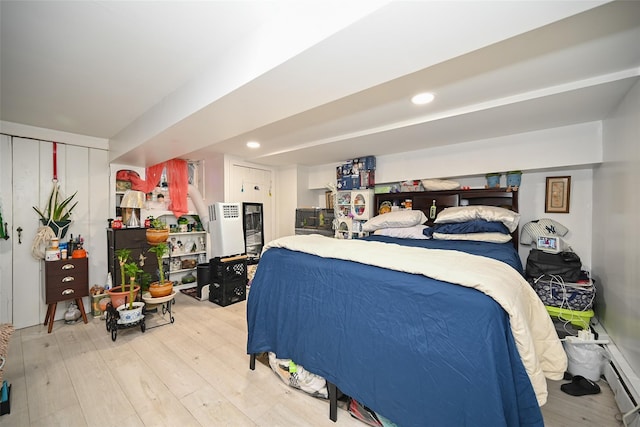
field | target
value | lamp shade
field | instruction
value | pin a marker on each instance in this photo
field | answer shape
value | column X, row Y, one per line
column 132, row 199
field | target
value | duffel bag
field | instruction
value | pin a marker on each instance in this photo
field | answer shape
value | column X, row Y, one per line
column 566, row 265
column 555, row 293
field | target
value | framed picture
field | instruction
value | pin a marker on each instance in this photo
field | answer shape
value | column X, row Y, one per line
column 328, row 199
column 557, row 194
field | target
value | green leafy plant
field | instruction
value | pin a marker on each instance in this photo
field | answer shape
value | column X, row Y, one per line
column 160, row 250
column 56, row 209
column 131, row 269
column 157, row 223
column 145, row 280
column 123, row 256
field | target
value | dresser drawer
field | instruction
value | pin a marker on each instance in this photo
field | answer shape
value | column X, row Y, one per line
column 64, row 291
column 66, row 279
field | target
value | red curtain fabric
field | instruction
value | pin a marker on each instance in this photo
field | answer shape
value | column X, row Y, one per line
column 178, row 177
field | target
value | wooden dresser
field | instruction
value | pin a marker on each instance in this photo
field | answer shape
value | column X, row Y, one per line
column 65, row 280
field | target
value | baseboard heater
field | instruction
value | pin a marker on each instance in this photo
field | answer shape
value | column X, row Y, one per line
column 624, row 384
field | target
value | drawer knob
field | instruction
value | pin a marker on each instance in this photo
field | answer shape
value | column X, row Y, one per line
column 68, row 279
column 68, row 266
column 68, row 292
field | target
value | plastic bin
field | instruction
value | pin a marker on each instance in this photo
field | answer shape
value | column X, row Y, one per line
column 580, row 319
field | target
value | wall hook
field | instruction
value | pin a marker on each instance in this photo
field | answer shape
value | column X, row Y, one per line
column 19, row 230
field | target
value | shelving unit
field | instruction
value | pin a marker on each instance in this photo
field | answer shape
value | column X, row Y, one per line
column 354, row 208
column 190, row 246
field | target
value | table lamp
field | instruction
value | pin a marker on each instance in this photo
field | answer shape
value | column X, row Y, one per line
column 133, row 200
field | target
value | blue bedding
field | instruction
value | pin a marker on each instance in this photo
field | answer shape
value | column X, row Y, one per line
column 416, row 350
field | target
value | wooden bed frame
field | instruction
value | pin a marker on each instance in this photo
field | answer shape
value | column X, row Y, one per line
column 424, row 200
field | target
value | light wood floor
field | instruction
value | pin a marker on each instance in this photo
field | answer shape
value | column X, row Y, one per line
column 192, row 373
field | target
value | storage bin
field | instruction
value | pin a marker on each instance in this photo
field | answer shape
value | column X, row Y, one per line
column 577, row 318
column 227, row 269
column 227, row 293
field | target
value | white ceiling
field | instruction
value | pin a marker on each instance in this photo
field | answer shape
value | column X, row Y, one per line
column 314, row 82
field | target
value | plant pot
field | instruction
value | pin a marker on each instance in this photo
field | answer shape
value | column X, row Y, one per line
column 157, row 290
column 514, row 178
column 59, row 227
column 130, row 315
column 493, row 180
column 156, row 236
column 118, row 297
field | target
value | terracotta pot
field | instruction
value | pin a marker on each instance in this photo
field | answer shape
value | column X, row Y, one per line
column 118, row 297
column 157, row 290
column 157, row 235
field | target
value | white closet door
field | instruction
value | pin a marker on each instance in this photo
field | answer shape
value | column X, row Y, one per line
column 28, row 296
column 6, row 198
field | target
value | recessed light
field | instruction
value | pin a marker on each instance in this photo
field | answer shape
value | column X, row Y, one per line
column 422, row 98
column 253, row 144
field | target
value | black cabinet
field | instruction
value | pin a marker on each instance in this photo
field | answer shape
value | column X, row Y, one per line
column 134, row 239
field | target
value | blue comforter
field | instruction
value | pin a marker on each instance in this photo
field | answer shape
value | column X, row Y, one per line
column 419, row 351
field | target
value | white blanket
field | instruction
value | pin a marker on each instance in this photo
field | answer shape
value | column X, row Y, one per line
column 535, row 336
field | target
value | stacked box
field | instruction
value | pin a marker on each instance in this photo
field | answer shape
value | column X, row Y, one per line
column 228, row 280
column 356, row 174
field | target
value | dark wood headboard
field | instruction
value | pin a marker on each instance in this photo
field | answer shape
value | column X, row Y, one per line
column 423, row 200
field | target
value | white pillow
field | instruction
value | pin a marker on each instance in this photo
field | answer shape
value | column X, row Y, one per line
column 414, row 232
column 439, row 184
column 488, row 213
column 395, row 219
column 480, row 237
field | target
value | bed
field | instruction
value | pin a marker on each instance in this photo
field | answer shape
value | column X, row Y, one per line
column 422, row 331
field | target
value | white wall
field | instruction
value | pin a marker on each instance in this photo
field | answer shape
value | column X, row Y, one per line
column 565, row 151
column 615, row 229
column 531, row 202
column 287, row 201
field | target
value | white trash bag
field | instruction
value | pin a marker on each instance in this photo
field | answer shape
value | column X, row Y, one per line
column 586, row 360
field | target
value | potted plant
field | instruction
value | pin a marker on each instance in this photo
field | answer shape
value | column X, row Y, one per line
column 161, row 288
column 131, row 270
column 57, row 213
column 120, row 293
column 157, row 233
column 132, row 311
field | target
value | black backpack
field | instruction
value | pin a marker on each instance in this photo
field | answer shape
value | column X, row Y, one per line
column 566, row 265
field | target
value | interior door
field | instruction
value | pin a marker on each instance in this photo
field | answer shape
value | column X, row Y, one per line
column 248, row 184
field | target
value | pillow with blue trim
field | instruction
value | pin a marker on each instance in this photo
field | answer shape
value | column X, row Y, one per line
column 472, row 226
